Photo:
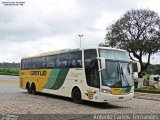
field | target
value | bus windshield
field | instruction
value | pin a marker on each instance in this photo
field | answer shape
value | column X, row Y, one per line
column 118, row 73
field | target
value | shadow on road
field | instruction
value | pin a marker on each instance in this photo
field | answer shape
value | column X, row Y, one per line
column 86, row 103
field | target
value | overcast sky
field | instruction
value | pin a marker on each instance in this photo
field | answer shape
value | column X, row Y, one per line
column 46, row 25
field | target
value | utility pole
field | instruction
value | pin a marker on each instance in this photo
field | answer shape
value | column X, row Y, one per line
column 80, row 36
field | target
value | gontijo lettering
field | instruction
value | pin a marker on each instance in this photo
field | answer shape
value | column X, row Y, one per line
column 38, row 72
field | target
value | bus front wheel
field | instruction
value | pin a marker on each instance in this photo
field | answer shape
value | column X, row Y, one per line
column 76, row 95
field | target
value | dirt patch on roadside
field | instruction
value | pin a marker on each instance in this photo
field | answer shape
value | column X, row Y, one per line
column 9, row 81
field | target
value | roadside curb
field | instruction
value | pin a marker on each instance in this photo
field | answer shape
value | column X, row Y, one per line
column 147, row 96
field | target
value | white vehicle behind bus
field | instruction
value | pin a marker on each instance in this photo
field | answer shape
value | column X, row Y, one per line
column 154, row 81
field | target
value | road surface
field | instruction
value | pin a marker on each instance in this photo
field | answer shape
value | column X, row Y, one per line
column 14, row 100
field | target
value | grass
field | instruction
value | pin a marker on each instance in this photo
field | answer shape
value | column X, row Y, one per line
column 148, row 90
column 9, row 71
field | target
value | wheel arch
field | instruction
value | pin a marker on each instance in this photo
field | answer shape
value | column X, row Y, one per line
column 74, row 87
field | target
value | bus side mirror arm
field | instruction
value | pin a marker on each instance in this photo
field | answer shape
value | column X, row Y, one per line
column 138, row 67
column 102, row 63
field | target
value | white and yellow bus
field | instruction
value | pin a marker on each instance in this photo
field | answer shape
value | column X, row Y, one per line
column 98, row 74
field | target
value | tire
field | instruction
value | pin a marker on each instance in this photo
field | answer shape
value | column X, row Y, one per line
column 76, row 95
column 33, row 89
column 28, row 88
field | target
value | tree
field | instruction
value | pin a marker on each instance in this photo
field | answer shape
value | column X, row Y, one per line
column 138, row 32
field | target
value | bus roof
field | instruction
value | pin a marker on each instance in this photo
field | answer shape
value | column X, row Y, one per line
column 53, row 53
column 107, row 48
column 70, row 50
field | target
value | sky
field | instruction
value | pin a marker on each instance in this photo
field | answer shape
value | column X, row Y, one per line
column 46, row 25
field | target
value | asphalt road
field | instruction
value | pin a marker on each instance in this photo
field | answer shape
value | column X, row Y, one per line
column 14, row 100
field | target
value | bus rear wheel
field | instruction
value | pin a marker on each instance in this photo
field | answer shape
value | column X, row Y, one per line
column 76, row 95
column 33, row 89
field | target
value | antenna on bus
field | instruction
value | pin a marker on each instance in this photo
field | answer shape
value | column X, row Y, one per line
column 80, row 36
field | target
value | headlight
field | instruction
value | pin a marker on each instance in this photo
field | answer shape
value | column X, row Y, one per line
column 106, row 91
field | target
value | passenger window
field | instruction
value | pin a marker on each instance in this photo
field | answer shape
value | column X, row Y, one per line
column 28, row 64
column 42, row 62
column 22, row 64
column 34, row 63
column 75, row 59
column 51, row 61
column 62, row 61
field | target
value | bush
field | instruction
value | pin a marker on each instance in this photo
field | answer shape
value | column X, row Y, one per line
column 148, row 90
column 9, row 71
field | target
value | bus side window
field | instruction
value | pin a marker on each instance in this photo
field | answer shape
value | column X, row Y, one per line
column 34, row 63
column 75, row 59
column 28, row 64
column 22, row 64
column 62, row 61
column 58, row 63
column 51, row 61
column 42, row 62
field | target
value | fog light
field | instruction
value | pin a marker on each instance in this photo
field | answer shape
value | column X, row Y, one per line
column 132, row 90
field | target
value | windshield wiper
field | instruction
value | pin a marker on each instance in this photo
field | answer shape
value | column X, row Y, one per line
column 118, row 82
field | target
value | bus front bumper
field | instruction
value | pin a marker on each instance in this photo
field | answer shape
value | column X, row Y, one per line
column 106, row 97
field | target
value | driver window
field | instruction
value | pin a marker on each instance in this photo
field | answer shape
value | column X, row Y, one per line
column 91, row 68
